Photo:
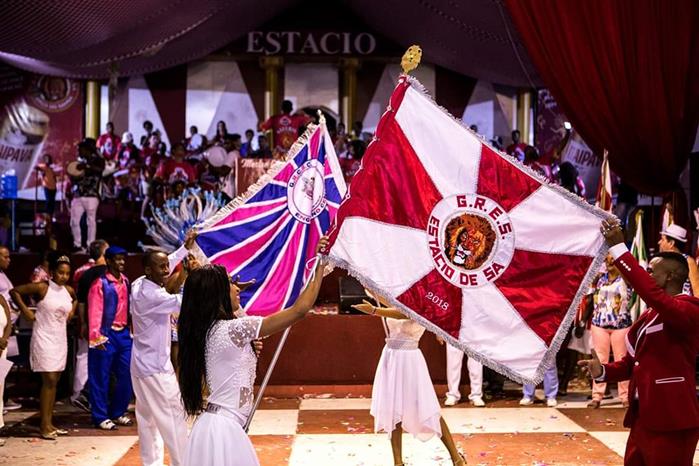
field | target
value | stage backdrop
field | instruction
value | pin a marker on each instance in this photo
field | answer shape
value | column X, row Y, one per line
column 38, row 115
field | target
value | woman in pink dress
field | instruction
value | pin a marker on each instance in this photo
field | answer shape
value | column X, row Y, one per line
column 56, row 303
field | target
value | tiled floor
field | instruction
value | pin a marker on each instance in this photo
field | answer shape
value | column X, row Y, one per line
column 339, row 432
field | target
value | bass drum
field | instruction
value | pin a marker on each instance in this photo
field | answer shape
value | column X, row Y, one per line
column 74, row 171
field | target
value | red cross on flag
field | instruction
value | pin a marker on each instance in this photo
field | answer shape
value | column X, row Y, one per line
column 465, row 240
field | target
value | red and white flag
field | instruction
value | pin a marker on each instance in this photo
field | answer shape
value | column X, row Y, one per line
column 604, row 188
column 465, row 240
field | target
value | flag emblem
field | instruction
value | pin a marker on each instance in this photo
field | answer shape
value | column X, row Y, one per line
column 471, row 239
column 306, row 193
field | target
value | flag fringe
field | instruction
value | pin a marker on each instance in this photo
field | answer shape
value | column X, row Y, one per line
column 550, row 355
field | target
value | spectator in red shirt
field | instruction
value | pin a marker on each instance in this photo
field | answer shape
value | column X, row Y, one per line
column 108, row 143
column 531, row 160
column 176, row 169
column 516, row 149
column 350, row 165
column 127, row 153
column 285, row 127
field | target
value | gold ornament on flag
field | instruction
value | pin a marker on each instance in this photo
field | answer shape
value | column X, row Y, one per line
column 411, row 58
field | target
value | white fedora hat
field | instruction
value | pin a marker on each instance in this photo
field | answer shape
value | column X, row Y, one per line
column 675, row 232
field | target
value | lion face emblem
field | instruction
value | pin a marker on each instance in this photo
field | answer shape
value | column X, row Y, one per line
column 469, row 240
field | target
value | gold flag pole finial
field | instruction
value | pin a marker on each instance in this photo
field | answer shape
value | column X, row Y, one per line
column 411, row 58
column 321, row 117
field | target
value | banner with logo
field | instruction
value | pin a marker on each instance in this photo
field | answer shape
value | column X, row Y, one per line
column 549, row 134
column 270, row 233
column 39, row 115
column 465, row 240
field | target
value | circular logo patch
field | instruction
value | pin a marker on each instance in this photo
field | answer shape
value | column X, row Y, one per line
column 53, row 94
column 471, row 239
column 306, row 191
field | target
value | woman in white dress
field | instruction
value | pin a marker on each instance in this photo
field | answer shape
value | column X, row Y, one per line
column 216, row 351
column 5, row 329
column 403, row 397
column 56, row 303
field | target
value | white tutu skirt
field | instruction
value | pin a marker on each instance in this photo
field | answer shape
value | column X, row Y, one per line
column 219, row 440
column 403, row 393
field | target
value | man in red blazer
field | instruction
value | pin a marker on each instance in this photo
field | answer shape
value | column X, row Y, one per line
column 662, row 350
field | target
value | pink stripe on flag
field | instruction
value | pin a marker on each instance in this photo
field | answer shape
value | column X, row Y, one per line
column 271, row 298
column 235, row 257
column 285, row 173
column 313, row 145
column 246, row 211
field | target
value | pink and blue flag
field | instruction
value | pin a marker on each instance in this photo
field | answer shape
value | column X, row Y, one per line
column 270, row 233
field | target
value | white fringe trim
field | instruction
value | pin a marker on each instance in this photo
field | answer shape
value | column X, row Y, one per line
column 550, row 355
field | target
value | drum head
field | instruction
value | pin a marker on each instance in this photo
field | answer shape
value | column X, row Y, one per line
column 73, row 170
column 216, row 156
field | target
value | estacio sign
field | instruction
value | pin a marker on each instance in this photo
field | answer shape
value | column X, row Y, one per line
column 310, row 43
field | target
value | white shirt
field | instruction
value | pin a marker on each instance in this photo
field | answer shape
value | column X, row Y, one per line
column 5, row 287
column 151, row 306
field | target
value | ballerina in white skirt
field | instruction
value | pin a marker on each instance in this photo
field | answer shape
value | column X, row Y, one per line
column 403, row 397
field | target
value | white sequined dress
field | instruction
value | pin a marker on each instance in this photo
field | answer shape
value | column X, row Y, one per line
column 48, row 349
column 403, row 390
column 217, row 437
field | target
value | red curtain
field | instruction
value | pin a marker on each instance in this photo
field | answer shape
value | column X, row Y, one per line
column 626, row 74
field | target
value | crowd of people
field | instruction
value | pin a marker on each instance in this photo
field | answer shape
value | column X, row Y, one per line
column 142, row 173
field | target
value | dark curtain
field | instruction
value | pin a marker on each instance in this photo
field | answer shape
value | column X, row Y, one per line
column 626, row 73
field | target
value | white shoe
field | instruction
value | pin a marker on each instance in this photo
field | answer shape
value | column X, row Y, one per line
column 451, row 400
column 526, row 401
column 551, row 403
column 478, row 402
column 107, row 424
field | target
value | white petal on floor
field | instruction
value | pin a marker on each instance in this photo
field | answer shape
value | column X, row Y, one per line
column 364, row 450
column 574, row 230
column 394, row 257
column 274, row 422
column 616, row 441
column 318, row 404
column 537, row 420
column 95, row 451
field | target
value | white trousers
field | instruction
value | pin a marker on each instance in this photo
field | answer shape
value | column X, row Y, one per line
column 80, row 376
column 455, row 359
column 78, row 206
column 160, row 417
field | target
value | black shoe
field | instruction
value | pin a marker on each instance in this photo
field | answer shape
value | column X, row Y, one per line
column 82, row 403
